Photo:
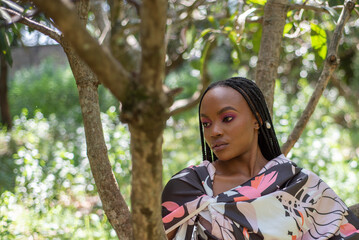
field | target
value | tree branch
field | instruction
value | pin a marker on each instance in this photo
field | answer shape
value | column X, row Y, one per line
column 275, row 13
column 102, row 21
column 185, row 104
column 330, row 65
column 113, row 202
column 100, row 60
column 35, row 25
column 152, row 35
column 309, row 7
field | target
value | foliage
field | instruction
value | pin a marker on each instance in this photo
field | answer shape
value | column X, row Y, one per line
column 325, row 147
column 54, row 194
column 51, row 89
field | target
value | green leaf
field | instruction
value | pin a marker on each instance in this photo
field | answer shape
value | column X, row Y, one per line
column 205, row 32
column 234, row 39
column 318, row 39
column 191, row 36
column 260, row 2
column 287, row 28
column 228, row 29
column 204, row 54
column 196, row 64
column 5, row 49
column 257, row 36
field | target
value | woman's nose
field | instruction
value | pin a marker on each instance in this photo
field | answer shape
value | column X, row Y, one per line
column 216, row 130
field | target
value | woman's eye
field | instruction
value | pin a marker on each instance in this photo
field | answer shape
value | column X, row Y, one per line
column 227, row 119
column 205, row 124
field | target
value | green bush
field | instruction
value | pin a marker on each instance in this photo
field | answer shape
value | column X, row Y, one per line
column 54, row 194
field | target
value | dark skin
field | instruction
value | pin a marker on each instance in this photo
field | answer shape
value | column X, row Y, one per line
column 231, row 130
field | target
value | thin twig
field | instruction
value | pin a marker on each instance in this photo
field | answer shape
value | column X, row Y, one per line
column 35, row 25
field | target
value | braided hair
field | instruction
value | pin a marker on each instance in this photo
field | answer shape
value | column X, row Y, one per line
column 267, row 139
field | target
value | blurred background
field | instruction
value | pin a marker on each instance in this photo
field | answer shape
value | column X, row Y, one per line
column 46, row 186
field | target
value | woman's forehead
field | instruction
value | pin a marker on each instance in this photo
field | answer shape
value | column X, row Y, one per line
column 221, row 96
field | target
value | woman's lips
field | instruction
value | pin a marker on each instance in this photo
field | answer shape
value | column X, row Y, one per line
column 219, row 147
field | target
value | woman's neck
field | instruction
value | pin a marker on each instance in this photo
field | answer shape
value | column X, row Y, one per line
column 247, row 165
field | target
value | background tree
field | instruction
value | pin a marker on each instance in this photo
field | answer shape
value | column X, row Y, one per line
column 139, row 36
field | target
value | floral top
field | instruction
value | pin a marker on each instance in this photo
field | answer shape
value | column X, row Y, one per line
column 282, row 202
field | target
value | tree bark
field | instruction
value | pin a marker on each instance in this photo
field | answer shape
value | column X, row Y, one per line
column 4, row 103
column 113, row 203
column 275, row 13
column 146, row 113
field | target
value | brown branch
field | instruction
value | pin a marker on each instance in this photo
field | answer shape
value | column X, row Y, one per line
column 113, row 202
column 275, row 13
column 185, row 104
column 152, row 35
column 136, row 4
column 35, row 25
column 100, row 60
column 102, row 21
column 309, row 7
column 330, row 65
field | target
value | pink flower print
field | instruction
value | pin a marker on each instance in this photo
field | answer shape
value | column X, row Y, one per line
column 258, row 185
column 176, row 211
column 348, row 229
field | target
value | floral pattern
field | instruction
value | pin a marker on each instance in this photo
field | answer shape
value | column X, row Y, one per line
column 282, row 202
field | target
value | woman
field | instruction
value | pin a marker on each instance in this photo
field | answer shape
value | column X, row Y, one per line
column 245, row 188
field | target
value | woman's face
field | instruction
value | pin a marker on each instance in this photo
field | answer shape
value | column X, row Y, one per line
column 230, row 128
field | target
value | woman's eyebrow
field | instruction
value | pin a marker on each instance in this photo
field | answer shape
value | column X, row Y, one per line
column 226, row 109
column 221, row 111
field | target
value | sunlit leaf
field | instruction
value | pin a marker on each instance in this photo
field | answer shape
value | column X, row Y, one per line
column 205, row 32
column 242, row 20
column 228, row 29
column 319, row 42
column 287, row 28
column 260, row 2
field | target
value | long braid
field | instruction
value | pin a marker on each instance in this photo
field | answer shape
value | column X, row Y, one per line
column 267, row 138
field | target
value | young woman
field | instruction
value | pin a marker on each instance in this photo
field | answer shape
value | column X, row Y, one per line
column 245, row 188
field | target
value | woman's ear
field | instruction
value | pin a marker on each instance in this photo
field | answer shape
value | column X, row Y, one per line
column 257, row 124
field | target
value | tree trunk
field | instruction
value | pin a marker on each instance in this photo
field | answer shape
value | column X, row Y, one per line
column 4, row 104
column 275, row 13
column 146, row 184
column 147, row 109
